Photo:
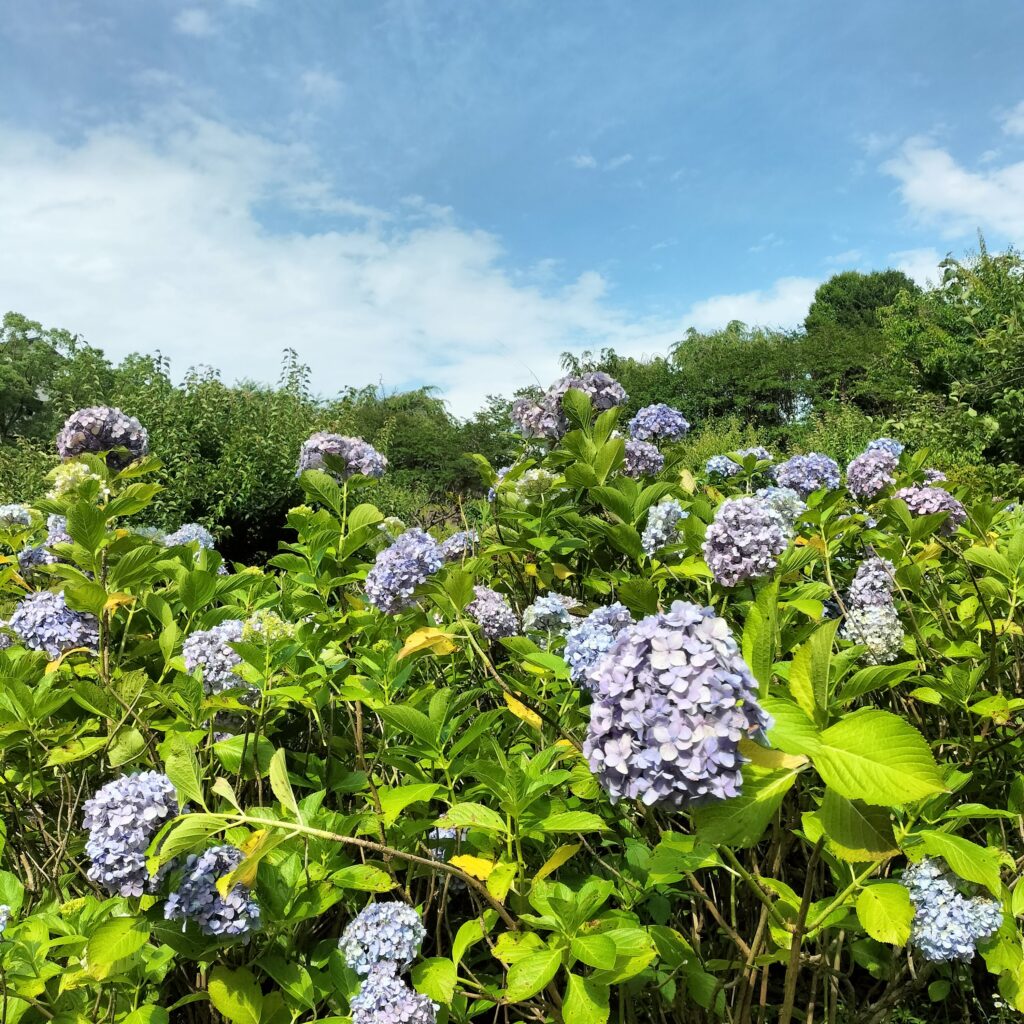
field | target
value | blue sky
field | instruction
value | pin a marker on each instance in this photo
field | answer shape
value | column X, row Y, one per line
column 455, row 192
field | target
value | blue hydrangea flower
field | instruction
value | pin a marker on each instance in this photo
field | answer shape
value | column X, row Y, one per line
column 806, row 474
column 934, row 476
column 672, row 700
column 658, row 422
column 493, row 614
column 878, row 628
column 399, row 569
column 492, row 492
column 642, row 459
column 744, row 541
column 100, row 429
column 384, row 998
column 190, row 533
column 209, row 650
column 591, row 637
column 886, row 444
column 5, row 916
column 947, row 926
column 57, row 530
column 871, row 472
column 723, row 466
column 31, row 558
column 14, row 515
column 548, row 614
column 121, row 819
column 459, row 545
column 924, row 501
column 6, row 640
column 448, row 837
column 44, row 622
column 198, row 900
column 544, row 417
column 785, row 501
column 873, row 584
column 358, row 455
column 382, row 933
column 663, row 525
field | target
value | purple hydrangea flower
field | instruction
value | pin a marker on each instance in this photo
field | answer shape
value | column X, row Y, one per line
column 785, row 501
column 723, row 466
column 871, row 472
column 57, row 530
column 878, row 628
column 806, row 474
column 122, row 818
column 744, row 541
column 545, row 417
column 190, row 533
column 5, row 916
column 45, row 623
column 663, row 525
column 100, row 429
column 493, row 614
column 549, row 614
column 492, row 492
column 886, row 444
column 643, row 459
column 209, row 650
column 934, row 476
column 658, row 422
column 923, row 501
column 399, row 569
column 384, row 998
column 672, row 700
column 31, row 558
column 198, row 900
column 459, row 545
column 6, row 640
column 873, row 583
column 14, row 515
column 358, row 455
column 382, row 933
column 591, row 637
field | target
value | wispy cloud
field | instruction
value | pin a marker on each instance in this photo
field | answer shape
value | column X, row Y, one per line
column 618, row 161
column 583, row 161
column 765, row 242
column 784, row 304
column 921, row 265
column 1013, row 120
column 321, row 85
column 194, row 21
column 847, row 258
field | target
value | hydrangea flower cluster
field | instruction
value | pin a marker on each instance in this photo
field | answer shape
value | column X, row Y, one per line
column 382, row 933
column 99, row 429
column 545, row 416
column 590, row 638
column 14, row 515
column 806, row 474
column 947, row 925
column 744, row 541
column 886, row 444
column 448, row 836
column 459, row 545
column 57, row 529
column 266, row 627
column 385, row 998
column 549, row 613
column 643, row 459
column 358, row 455
column 208, row 649
column 658, row 422
column 190, row 533
column 785, row 501
column 923, row 501
column 492, row 492
column 399, row 569
column 44, row 622
column 69, row 476
column 878, row 628
column 493, row 614
column 392, row 526
column 672, row 700
column 873, row 583
column 934, row 476
column 723, row 466
column 534, row 483
column 5, row 916
column 6, row 640
column 198, row 900
column 31, row 558
column 871, row 472
column 122, row 818
column 663, row 525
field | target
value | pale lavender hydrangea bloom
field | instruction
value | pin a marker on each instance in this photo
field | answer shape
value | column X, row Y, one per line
column 198, row 900
column 947, row 925
column 209, row 650
column 31, row 558
column 873, row 583
column 886, row 444
column 390, row 933
column 384, row 998
column 190, row 533
column 549, row 614
column 399, row 569
column 785, row 501
column 672, row 700
column 459, row 545
column 14, row 515
column 723, row 466
column 100, row 429
column 6, row 640
column 806, row 474
column 545, row 417
column 492, row 492
column 923, row 501
column 663, row 525
column 658, row 422
column 878, row 628
column 358, row 455
column 591, row 637
column 121, row 819
column 744, row 541
column 934, row 476
column 643, row 459
column 5, row 916
column 45, row 623
column 493, row 614
column 57, row 530
column 871, row 472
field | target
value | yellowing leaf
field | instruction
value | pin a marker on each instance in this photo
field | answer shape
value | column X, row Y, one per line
column 556, row 860
column 427, row 639
column 115, row 601
column 768, row 757
column 475, row 866
column 687, row 481
column 500, row 880
column 531, row 569
column 520, row 710
column 562, row 572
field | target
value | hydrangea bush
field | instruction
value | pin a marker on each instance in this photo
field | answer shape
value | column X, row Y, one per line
column 612, row 747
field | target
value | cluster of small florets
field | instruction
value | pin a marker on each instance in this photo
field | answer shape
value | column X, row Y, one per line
column 121, row 819
column 209, row 650
column 5, row 916
column 534, row 483
column 14, row 515
column 871, row 472
column 744, row 541
column 359, row 456
column 549, row 614
column 389, row 932
column 448, row 836
column 190, row 533
column 101, row 429
column 873, row 583
column 57, row 530
column 723, row 466
column 6, row 640
column 886, row 444
column 878, row 628
column 399, row 569
column 947, row 925
column 663, row 525
column 544, row 417
column 197, row 898
column 658, row 422
column 785, row 501
column 459, row 545
column 266, row 626
column 492, row 492
column 642, row 459
column 392, row 527
column 69, row 476
column 934, row 476
column 31, row 558
column 385, row 998
column 806, row 474
column 45, row 623
column 493, row 614
column 672, row 700
column 924, row 501
column 590, row 638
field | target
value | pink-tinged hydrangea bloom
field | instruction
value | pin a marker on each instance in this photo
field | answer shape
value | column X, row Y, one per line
column 100, row 429
column 924, row 501
column 545, row 417
column 871, row 472
column 806, row 474
column 744, row 541
column 493, row 614
column 658, row 422
column 642, row 459
column 358, row 455
column 873, row 584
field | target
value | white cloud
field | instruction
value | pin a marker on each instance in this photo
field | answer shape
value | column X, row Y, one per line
column 769, row 241
column 784, row 304
column 320, row 85
column 193, row 21
column 618, row 161
column 583, row 161
column 1013, row 120
column 921, row 265
column 847, row 258
column 939, row 190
